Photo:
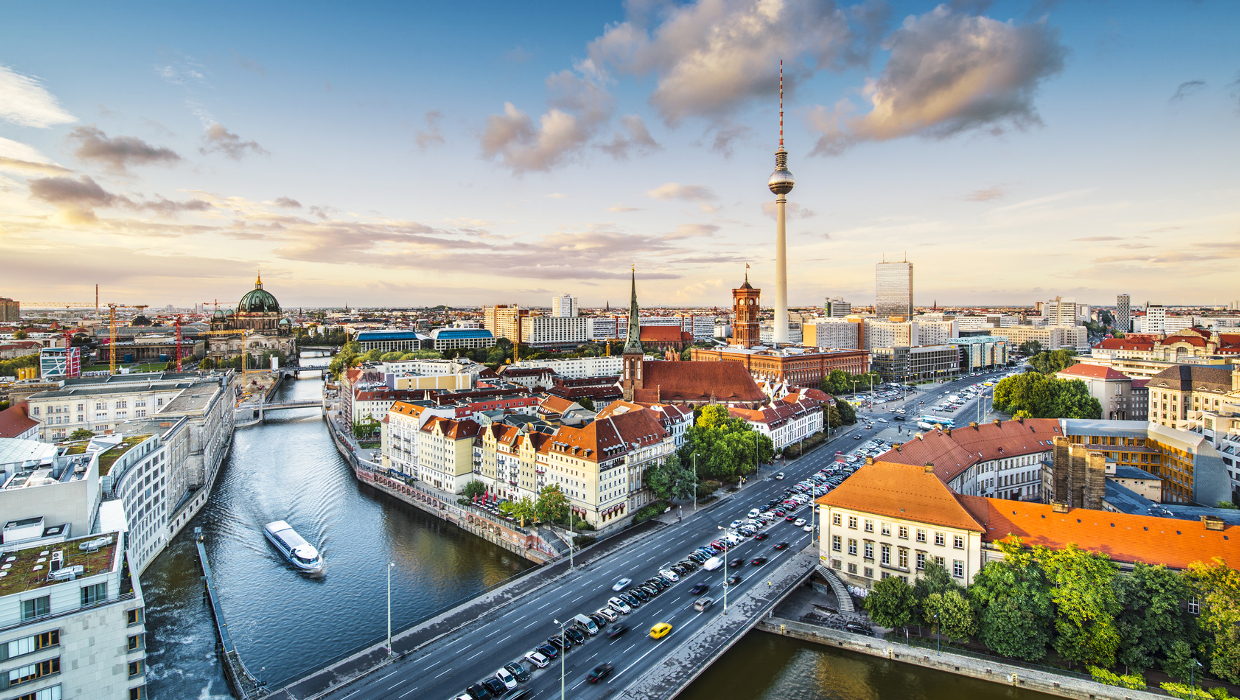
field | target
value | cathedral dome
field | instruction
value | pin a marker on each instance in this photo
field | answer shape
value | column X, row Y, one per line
column 258, row 300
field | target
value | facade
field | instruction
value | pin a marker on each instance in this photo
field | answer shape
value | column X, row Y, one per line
column 1181, row 389
column 1123, row 313
column 578, row 368
column 785, row 421
column 400, row 431
column 56, row 363
column 837, row 308
column 745, row 307
column 454, row 338
column 981, row 352
column 445, row 454
column 10, row 310
column 917, row 363
column 766, row 333
column 893, row 286
column 831, row 333
column 100, row 404
column 504, row 321
column 803, row 367
column 1155, row 319
column 905, row 333
column 892, row 519
column 564, row 305
column 1121, row 398
column 1059, row 312
column 389, row 341
column 1050, row 337
column 529, row 377
column 554, row 331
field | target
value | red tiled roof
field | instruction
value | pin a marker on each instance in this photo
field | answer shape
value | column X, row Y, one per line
column 660, row 334
column 901, row 491
column 1128, row 343
column 14, row 421
column 697, row 382
column 1194, row 340
column 953, row 451
column 1124, row 538
column 453, row 429
column 1092, row 372
column 609, row 437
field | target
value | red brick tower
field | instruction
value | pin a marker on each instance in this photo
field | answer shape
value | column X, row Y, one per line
column 745, row 331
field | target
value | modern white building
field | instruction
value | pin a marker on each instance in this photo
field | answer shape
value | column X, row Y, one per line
column 554, row 330
column 1155, row 319
column 579, row 368
column 564, row 305
column 1060, row 312
column 831, row 333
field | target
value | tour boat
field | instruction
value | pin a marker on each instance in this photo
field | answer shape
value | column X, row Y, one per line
column 299, row 552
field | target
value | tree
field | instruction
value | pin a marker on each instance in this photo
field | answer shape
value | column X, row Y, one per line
column 934, row 579
column 552, row 505
column 1082, row 588
column 586, row 402
column 890, row 603
column 474, row 488
column 522, row 510
column 670, row 479
column 1040, row 396
column 1013, row 598
column 393, row 356
column 1154, row 618
column 951, row 614
column 1030, row 348
column 20, row 335
column 848, row 414
column 833, row 417
column 1179, row 661
column 1055, row 361
column 724, row 445
column 366, row 427
column 1217, row 588
column 81, row 434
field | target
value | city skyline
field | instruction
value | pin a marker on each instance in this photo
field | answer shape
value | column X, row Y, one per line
column 404, row 163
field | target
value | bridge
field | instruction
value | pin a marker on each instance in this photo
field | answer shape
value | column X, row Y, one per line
column 248, row 414
column 443, row 654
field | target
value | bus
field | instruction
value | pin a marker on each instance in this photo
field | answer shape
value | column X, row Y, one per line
column 928, row 422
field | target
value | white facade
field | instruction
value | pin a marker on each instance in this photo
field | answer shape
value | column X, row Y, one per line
column 919, row 331
column 554, row 330
column 832, row 333
column 564, row 305
column 1155, row 319
column 430, row 368
column 766, row 333
column 579, row 368
column 1060, row 312
column 98, row 408
column 864, row 548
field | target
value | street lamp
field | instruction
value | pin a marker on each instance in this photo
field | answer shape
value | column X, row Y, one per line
column 391, row 565
column 572, row 538
column 938, row 635
column 1191, row 669
column 725, row 572
column 562, row 655
column 695, row 482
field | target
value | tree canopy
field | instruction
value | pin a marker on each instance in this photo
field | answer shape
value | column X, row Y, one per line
column 1014, row 598
column 1035, row 395
column 1053, row 361
column 725, row 446
column 1086, row 602
column 552, row 504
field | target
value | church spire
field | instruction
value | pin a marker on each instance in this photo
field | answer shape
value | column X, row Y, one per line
column 633, row 343
column 258, row 284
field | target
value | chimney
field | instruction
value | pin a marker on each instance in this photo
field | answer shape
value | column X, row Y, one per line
column 947, row 431
column 1020, row 419
column 869, row 460
column 1057, row 507
column 1213, row 522
column 929, row 467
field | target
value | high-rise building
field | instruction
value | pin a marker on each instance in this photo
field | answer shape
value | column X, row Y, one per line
column 893, row 288
column 503, row 321
column 1123, row 313
column 564, row 305
column 837, row 308
column 10, row 310
column 781, row 182
column 745, row 330
column 1060, row 312
column 1155, row 318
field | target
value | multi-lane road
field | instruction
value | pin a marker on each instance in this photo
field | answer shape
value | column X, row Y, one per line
column 446, row 667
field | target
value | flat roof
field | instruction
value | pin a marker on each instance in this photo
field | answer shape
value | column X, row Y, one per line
column 27, row 569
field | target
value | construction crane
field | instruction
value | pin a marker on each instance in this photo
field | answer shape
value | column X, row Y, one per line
column 112, row 332
column 178, row 342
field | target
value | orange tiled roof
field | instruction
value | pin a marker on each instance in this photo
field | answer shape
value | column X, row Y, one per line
column 1124, row 538
column 901, row 491
column 554, row 404
column 607, row 438
column 953, row 451
column 660, row 334
column 1092, row 372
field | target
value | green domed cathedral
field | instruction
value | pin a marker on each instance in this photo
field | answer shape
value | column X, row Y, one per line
column 258, row 311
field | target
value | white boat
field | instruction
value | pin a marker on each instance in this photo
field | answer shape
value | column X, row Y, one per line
column 299, row 552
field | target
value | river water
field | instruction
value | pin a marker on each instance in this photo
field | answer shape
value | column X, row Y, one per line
column 283, row 623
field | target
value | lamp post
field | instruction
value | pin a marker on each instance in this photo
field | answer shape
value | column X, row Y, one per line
column 391, row 565
column 725, row 573
column 938, row 635
column 562, row 655
column 1192, row 668
column 695, row 482
column 572, row 538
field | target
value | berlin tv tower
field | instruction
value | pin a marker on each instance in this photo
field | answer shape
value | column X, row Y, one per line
column 781, row 183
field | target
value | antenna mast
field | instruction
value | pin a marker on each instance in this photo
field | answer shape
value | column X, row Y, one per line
column 781, row 104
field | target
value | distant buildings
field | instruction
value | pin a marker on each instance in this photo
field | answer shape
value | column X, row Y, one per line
column 1074, row 338
column 564, row 305
column 1177, row 391
column 1123, row 313
column 832, row 333
column 504, row 321
column 893, row 284
column 555, row 331
column 1155, row 319
column 837, row 308
column 390, row 341
column 10, row 310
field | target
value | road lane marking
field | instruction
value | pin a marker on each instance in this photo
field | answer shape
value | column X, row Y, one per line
column 535, row 622
column 446, row 670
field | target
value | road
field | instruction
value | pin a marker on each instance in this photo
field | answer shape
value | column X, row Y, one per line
column 468, row 655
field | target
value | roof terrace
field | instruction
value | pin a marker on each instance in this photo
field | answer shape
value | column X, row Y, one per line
column 30, row 569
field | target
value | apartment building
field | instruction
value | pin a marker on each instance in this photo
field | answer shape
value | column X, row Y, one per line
column 1050, row 337
column 831, row 333
column 1180, row 389
column 445, row 455
column 504, row 320
column 916, row 363
column 1121, row 397
column 555, row 331
column 511, row 460
column 564, row 305
column 785, row 421
column 981, row 352
column 100, row 404
column 579, row 368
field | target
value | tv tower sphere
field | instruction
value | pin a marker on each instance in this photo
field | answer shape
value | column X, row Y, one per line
column 781, row 181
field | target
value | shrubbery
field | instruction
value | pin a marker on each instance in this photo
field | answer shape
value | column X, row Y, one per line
column 1132, row 682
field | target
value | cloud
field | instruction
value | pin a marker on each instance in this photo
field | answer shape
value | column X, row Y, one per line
column 32, row 166
column 120, row 152
column 792, row 210
column 726, row 134
column 179, row 69
column 221, row 140
column 75, row 200
column 287, row 202
column 1186, row 89
column 556, row 195
column 691, row 231
column 711, row 56
column 1096, row 239
column 249, row 64
column 633, row 137
column 986, row 195
column 432, row 136
column 675, row 190
column 578, row 105
column 167, row 207
column 622, row 208
column 948, row 73
column 25, row 102
column 518, row 55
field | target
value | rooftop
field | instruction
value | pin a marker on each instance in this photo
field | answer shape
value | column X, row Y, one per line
column 952, row 451
column 108, row 457
column 904, row 491
column 27, row 569
column 1085, row 371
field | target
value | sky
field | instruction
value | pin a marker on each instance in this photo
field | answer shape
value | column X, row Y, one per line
column 409, row 154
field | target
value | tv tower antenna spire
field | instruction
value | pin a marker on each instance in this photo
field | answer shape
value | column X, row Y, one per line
column 781, row 104
column 781, row 183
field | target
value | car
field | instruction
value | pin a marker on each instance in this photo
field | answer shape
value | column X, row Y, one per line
column 575, row 634
column 713, row 563
column 621, row 584
column 856, row 437
column 496, row 686
column 632, row 600
column 600, row 621
column 733, row 579
column 641, row 594
column 779, row 476
column 699, row 588
column 518, row 671
column 660, row 630
column 758, row 561
column 598, row 673
column 736, row 563
column 790, row 518
column 478, row 691
column 617, row 630
column 799, row 522
column 619, row 606
column 703, row 603
column 808, row 528
column 858, row 628
column 537, row 658
column 505, row 676
column 608, row 614
column 559, row 642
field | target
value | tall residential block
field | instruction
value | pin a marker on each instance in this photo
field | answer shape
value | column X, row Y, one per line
column 837, row 308
column 1059, row 312
column 893, row 289
column 1123, row 313
column 503, row 320
column 10, row 310
column 1155, row 318
column 564, row 305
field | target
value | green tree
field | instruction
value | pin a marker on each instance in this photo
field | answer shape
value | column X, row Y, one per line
column 934, row 579
column 522, row 510
column 1013, row 598
column 833, row 417
column 372, row 355
column 366, row 427
column 206, row 364
column 1030, row 348
column 474, row 488
column 81, row 434
column 890, row 603
column 552, row 505
column 1179, row 662
column 725, row 445
column 393, row 356
column 1040, row 396
column 951, row 614
column 1082, row 588
column 1054, row 361
column 1154, row 617
column 848, row 414
column 586, row 402
column 670, row 479
column 21, row 335
column 1217, row 588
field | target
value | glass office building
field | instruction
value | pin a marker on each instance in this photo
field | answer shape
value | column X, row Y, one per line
column 894, row 290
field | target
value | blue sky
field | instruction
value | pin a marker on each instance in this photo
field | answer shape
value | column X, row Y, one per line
column 395, row 154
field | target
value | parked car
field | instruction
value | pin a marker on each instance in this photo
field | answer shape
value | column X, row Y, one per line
column 478, row 691
column 505, row 676
column 858, row 628
column 548, row 651
column 575, row 634
column 518, row 671
column 619, row 605
column 609, row 614
column 495, row 686
column 632, row 600
column 561, row 643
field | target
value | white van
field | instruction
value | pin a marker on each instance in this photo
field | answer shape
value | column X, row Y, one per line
column 587, row 623
column 754, row 512
column 712, row 563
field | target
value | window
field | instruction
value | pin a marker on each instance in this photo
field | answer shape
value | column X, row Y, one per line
column 958, row 568
column 921, row 535
column 29, row 645
column 852, row 568
column 940, row 561
column 135, row 668
column 836, row 563
column 902, row 533
column 1194, row 606
column 137, row 642
column 36, row 608
column 835, row 543
column 886, row 554
column 869, row 550
column 940, row 539
column 835, row 519
column 34, row 672
column 94, row 594
column 869, row 573
column 903, row 560
column 852, row 522
column 138, row 693
column 958, row 541
column 52, row 693
column 921, row 561
column 885, row 529
column 869, row 526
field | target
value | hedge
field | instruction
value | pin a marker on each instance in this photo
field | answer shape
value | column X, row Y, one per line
column 1132, row 682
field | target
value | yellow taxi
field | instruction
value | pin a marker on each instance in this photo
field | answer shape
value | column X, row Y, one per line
column 660, row 630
